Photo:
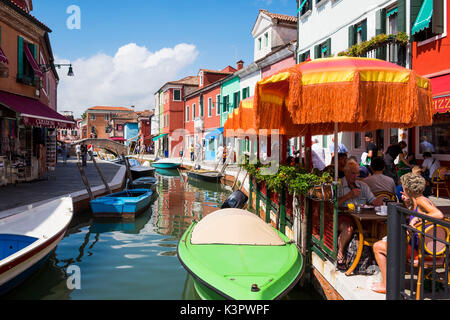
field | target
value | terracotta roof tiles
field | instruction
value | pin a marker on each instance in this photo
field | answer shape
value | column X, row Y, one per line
column 281, row 17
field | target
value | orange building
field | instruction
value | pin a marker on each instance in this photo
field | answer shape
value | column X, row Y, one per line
column 28, row 94
column 103, row 122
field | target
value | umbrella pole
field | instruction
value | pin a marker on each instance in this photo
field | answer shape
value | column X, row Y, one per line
column 336, row 148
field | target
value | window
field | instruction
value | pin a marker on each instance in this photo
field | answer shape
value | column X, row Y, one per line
column 225, row 105
column 259, row 44
column 92, row 117
column 436, row 139
column 245, row 93
column 236, row 99
column 25, row 72
column 193, row 111
column 218, row 104
column 187, row 113
column 266, row 39
column 201, row 106
column 323, row 50
column 357, row 140
column 423, row 27
column 107, row 117
column 304, row 56
column 209, row 107
column 357, row 33
column 176, row 95
column 305, row 6
column 167, row 120
column 200, row 80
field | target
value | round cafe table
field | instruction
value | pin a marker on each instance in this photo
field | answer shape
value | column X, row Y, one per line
column 368, row 216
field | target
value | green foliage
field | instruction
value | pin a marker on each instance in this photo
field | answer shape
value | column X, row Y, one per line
column 376, row 42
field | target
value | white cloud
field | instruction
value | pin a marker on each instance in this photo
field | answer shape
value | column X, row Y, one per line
column 130, row 77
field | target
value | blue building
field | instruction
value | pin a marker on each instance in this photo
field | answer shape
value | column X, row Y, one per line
column 131, row 133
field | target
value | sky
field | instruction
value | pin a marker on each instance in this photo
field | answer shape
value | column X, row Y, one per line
column 124, row 51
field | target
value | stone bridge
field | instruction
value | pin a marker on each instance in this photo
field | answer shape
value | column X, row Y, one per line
column 112, row 146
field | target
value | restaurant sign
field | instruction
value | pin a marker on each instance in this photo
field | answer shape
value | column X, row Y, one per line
column 47, row 123
column 441, row 104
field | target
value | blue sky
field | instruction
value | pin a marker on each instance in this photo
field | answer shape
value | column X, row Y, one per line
column 219, row 31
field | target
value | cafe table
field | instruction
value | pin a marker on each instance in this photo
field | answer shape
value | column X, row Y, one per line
column 368, row 217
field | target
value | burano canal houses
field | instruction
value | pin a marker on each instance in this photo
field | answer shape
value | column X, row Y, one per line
column 28, row 95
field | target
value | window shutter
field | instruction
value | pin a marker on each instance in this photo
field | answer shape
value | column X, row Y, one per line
column 380, row 28
column 351, row 36
column 317, row 53
column 401, row 4
column 437, row 21
column 415, row 8
column 328, row 47
column 309, row 4
column 364, row 30
column 20, row 58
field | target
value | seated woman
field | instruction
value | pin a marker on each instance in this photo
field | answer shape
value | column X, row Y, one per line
column 351, row 190
column 413, row 198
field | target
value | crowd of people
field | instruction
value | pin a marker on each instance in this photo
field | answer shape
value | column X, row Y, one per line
column 395, row 173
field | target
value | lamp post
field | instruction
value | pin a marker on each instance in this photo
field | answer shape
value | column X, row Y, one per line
column 47, row 67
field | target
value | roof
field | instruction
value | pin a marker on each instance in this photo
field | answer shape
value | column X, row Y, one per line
column 110, row 108
column 215, row 71
column 188, row 81
column 17, row 7
column 280, row 17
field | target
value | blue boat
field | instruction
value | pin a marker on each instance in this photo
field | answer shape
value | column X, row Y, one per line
column 168, row 172
column 166, row 164
column 126, row 204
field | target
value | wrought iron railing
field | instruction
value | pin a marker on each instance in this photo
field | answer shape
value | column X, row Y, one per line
column 417, row 256
column 392, row 52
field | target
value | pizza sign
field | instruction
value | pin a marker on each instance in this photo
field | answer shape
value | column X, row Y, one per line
column 441, row 105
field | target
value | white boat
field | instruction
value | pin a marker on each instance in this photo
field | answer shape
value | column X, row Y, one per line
column 28, row 238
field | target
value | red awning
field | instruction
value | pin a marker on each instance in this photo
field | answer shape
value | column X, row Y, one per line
column 32, row 61
column 3, row 57
column 441, row 93
column 35, row 113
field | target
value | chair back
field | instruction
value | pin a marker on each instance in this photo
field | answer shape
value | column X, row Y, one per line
column 443, row 236
column 442, row 171
column 386, row 195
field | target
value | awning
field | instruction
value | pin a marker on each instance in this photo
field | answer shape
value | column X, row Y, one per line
column 3, row 57
column 392, row 12
column 160, row 136
column 424, row 17
column 214, row 133
column 441, row 94
column 32, row 61
column 118, row 139
column 34, row 113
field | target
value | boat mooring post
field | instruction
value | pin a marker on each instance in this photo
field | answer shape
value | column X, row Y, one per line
column 85, row 181
column 101, row 176
column 127, row 165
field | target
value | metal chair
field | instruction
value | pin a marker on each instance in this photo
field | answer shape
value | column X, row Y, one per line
column 388, row 196
column 439, row 179
column 434, row 255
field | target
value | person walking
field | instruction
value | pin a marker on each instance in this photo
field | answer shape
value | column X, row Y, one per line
column 192, row 152
column 64, row 153
column 317, row 155
column 78, row 152
column 90, row 150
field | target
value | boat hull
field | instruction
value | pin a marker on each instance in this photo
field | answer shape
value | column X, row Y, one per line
column 167, row 165
column 228, row 271
column 48, row 229
column 142, row 172
column 213, row 178
column 149, row 183
column 126, row 204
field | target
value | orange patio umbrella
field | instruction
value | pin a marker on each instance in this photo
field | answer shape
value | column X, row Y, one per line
column 345, row 94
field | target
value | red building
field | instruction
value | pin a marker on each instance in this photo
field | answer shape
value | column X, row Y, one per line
column 172, row 113
column 202, row 112
column 431, row 59
column 145, row 127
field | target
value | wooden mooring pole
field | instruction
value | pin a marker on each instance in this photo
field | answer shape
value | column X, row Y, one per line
column 101, row 176
column 127, row 165
column 85, row 181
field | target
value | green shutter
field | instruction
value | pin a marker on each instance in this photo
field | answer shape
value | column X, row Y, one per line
column 416, row 5
column 401, row 4
column 20, row 58
column 437, row 21
column 317, row 53
column 328, row 53
column 351, row 36
column 381, row 29
column 364, row 30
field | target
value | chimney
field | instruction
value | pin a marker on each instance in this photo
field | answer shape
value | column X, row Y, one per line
column 240, row 65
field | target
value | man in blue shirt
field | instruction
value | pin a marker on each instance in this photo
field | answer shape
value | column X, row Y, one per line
column 341, row 148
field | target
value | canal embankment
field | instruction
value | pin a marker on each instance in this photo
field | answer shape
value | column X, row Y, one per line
column 64, row 181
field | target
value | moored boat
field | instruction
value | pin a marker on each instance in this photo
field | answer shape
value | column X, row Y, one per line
column 140, row 172
column 166, row 164
column 205, row 175
column 126, row 204
column 28, row 238
column 168, row 172
column 234, row 254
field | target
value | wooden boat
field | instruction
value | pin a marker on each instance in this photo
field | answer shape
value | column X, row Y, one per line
column 234, row 254
column 166, row 164
column 126, row 204
column 28, row 238
column 140, row 172
column 205, row 175
column 149, row 183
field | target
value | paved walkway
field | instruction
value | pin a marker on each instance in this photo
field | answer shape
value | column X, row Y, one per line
column 64, row 180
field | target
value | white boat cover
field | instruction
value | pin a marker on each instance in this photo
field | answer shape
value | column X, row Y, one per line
column 235, row 227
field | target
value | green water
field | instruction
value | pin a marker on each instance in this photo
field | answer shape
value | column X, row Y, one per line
column 130, row 261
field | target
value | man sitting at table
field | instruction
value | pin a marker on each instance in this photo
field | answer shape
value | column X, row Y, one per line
column 353, row 191
column 378, row 182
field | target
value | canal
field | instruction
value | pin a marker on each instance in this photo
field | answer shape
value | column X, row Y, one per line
column 110, row 260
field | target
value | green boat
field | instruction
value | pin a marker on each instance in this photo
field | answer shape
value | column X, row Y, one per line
column 233, row 254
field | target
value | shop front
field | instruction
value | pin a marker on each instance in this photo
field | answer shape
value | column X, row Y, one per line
column 28, row 133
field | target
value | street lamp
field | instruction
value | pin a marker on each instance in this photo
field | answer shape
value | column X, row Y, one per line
column 47, row 67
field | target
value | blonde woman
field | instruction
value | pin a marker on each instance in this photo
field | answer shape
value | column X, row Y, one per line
column 413, row 198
